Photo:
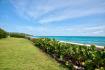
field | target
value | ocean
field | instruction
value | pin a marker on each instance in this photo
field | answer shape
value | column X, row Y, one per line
column 97, row 40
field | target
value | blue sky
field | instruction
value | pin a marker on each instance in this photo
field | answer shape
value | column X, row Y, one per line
column 54, row 17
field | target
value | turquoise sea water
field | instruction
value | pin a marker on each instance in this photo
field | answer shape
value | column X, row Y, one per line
column 79, row 39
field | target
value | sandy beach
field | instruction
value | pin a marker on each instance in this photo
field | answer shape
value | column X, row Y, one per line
column 88, row 45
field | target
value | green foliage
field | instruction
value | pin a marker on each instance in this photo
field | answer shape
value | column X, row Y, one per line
column 89, row 65
column 70, row 54
column 18, row 35
column 3, row 33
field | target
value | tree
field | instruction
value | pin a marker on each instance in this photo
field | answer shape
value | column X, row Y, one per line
column 3, row 33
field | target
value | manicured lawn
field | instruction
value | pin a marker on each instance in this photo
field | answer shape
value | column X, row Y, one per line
column 20, row 54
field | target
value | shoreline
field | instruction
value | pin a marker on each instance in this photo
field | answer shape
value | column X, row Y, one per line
column 88, row 45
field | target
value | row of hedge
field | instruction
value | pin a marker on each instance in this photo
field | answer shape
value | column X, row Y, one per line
column 19, row 35
column 73, row 56
column 4, row 34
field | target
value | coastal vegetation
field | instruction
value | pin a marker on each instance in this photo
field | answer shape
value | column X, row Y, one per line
column 73, row 56
column 4, row 34
column 19, row 35
column 25, row 54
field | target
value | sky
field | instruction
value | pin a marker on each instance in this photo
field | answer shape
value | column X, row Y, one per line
column 53, row 17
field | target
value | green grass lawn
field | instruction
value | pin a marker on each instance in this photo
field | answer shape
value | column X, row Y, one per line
column 20, row 54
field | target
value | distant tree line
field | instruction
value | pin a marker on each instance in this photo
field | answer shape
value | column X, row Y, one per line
column 18, row 35
column 4, row 34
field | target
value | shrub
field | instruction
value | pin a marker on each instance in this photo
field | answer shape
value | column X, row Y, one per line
column 88, row 58
column 3, row 33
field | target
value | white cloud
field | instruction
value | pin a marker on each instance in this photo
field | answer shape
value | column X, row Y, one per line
column 73, row 13
column 68, row 15
column 75, row 30
column 39, row 30
column 96, row 30
column 58, row 9
column 47, row 11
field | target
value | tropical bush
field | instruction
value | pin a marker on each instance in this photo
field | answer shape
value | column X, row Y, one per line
column 73, row 56
column 3, row 33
